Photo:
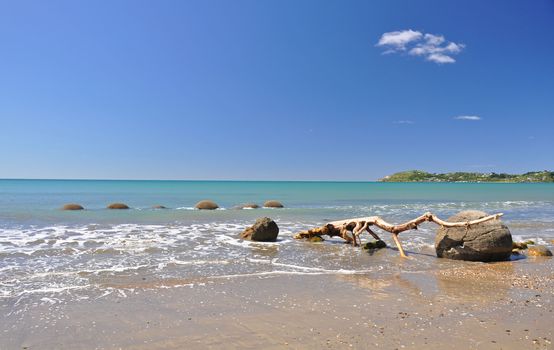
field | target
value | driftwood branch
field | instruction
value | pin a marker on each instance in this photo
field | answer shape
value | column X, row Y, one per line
column 357, row 226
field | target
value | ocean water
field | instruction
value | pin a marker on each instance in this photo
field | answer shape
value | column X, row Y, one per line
column 48, row 255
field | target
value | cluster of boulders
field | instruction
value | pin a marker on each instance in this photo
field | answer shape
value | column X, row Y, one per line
column 211, row 205
column 202, row 205
column 487, row 241
column 74, row 206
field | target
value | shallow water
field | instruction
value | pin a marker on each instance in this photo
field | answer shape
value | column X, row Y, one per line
column 48, row 255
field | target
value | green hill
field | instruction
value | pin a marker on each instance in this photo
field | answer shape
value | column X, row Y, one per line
column 422, row 176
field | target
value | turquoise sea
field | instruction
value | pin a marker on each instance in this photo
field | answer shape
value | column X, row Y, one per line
column 49, row 256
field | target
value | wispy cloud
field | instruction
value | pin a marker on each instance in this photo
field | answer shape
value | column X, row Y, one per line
column 432, row 47
column 468, row 117
column 397, row 41
column 403, row 122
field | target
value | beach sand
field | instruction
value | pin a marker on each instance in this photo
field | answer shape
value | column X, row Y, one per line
column 507, row 305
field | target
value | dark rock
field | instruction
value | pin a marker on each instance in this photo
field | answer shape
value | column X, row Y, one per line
column 263, row 230
column 374, row 245
column 206, row 205
column 273, row 204
column 538, row 250
column 487, row 241
column 72, row 206
column 118, row 206
column 159, row 207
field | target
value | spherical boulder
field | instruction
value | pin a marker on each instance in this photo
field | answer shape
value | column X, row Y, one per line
column 118, row 206
column 487, row 241
column 538, row 250
column 273, row 204
column 72, row 206
column 263, row 230
column 206, row 205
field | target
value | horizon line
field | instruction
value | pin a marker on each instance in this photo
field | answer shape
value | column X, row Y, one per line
column 189, row 180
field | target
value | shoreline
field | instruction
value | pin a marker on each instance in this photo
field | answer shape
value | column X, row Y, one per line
column 504, row 305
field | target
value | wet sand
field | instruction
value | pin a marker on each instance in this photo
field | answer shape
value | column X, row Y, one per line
column 506, row 305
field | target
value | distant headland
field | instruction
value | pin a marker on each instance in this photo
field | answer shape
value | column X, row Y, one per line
column 422, row 176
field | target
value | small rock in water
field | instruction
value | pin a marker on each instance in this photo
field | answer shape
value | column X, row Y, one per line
column 72, row 206
column 248, row 206
column 159, row 207
column 487, row 241
column 374, row 245
column 263, row 230
column 206, row 205
column 538, row 250
column 273, row 204
column 118, row 206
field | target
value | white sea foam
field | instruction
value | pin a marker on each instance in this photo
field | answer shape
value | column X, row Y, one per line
column 47, row 263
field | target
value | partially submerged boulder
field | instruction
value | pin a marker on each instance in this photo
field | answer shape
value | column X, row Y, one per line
column 273, row 204
column 487, row 241
column 248, row 206
column 72, row 206
column 538, row 250
column 118, row 206
column 263, row 230
column 159, row 207
column 206, row 205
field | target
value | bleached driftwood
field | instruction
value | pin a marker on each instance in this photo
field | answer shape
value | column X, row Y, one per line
column 356, row 226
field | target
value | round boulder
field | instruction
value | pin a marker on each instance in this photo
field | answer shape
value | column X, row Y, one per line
column 159, row 207
column 538, row 250
column 273, row 204
column 206, row 205
column 72, row 206
column 263, row 230
column 487, row 241
column 118, row 206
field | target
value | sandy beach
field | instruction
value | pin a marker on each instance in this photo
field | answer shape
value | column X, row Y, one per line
column 506, row 305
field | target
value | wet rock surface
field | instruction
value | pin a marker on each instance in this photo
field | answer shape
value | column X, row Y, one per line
column 538, row 250
column 206, row 205
column 72, row 206
column 487, row 241
column 118, row 206
column 263, row 230
column 273, row 204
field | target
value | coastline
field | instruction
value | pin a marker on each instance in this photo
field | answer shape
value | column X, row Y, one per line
column 504, row 305
column 146, row 278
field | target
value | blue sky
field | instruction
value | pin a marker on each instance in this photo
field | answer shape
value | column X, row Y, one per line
column 306, row 90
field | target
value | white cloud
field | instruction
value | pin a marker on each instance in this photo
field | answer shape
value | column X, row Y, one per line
column 432, row 47
column 468, row 117
column 396, row 41
column 440, row 58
